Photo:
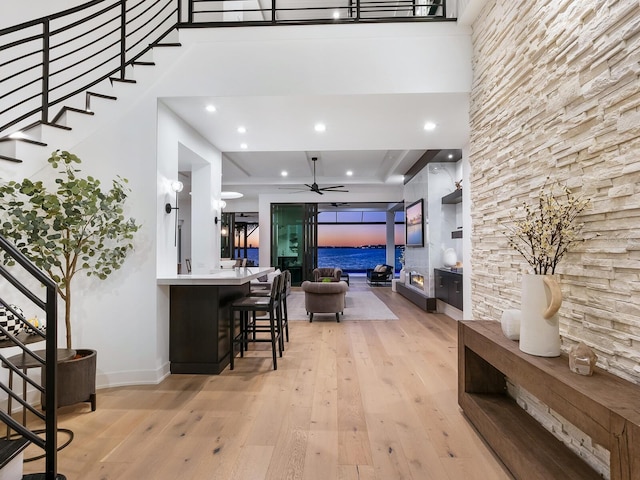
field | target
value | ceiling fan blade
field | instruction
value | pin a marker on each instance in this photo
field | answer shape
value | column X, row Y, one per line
column 333, row 188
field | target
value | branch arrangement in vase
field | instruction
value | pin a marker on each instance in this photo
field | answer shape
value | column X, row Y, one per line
column 542, row 232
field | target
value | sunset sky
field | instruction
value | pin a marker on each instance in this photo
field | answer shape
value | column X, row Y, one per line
column 347, row 235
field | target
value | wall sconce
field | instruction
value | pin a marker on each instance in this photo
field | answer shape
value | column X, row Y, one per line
column 221, row 205
column 176, row 187
column 224, row 231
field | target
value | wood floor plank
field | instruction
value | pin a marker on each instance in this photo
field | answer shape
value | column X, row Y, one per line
column 356, row 472
column 355, row 400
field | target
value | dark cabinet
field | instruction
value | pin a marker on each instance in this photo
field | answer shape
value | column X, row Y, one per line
column 448, row 287
column 199, row 327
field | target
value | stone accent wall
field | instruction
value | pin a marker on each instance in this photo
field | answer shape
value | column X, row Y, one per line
column 556, row 94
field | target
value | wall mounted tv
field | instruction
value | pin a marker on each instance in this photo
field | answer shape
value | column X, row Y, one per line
column 414, row 224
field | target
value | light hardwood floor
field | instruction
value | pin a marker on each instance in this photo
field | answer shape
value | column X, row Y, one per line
column 350, row 401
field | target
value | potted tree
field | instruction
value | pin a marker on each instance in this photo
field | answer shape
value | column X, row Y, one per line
column 76, row 228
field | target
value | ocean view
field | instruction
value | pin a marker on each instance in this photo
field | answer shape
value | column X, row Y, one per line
column 350, row 259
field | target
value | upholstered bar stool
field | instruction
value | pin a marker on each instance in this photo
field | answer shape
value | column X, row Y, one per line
column 273, row 327
column 285, row 288
column 284, row 291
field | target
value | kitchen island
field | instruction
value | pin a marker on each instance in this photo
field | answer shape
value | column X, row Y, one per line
column 199, row 317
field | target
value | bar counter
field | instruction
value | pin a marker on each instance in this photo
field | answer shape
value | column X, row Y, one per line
column 199, row 317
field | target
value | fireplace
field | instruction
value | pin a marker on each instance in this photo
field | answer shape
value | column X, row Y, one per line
column 416, row 290
column 416, row 280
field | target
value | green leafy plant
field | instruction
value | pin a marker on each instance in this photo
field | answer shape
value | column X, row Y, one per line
column 77, row 228
column 543, row 232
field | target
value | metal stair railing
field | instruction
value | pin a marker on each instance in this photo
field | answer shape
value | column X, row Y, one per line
column 47, row 61
column 49, row 306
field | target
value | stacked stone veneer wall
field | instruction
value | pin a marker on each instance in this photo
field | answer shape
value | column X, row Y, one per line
column 557, row 93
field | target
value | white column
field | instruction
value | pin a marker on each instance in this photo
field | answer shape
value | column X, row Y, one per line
column 391, row 240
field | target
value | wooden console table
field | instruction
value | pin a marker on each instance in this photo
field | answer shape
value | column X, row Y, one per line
column 604, row 406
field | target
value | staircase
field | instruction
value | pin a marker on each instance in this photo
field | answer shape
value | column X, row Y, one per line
column 18, row 434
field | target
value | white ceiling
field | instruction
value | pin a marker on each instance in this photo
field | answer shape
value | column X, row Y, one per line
column 377, row 137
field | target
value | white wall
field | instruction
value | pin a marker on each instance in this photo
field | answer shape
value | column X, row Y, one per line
column 417, row 258
column 176, row 140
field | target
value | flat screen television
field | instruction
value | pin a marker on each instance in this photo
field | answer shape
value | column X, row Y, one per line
column 414, row 224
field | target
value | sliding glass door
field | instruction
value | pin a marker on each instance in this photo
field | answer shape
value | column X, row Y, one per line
column 310, row 228
column 294, row 234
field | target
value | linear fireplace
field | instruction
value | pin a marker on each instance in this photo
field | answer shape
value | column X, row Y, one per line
column 416, row 289
column 416, row 280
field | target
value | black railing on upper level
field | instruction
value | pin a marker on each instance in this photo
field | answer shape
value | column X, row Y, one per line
column 237, row 12
column 47, row 61
column 49, row 307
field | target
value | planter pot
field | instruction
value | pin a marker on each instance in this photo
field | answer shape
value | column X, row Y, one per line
column 76, row 380
column 539, row 324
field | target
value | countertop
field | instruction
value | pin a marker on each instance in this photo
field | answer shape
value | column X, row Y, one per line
column 226, row 276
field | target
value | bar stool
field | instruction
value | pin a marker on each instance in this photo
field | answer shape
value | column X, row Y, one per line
column 251, row 304
column 284, row 291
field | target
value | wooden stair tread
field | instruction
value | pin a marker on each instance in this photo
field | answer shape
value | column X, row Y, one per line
column 102, row 95
column 10, row 159
column 121, row 80
column 77, row 110
column 25, row 140
column 55, row 125
column 9, row 449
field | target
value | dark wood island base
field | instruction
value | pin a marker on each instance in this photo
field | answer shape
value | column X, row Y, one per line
column 199, row 317
column 199, row 327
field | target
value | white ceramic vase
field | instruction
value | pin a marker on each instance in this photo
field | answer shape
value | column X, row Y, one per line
column 539, row 324
column 403, row 275
column 510, row 323
column 449, row 257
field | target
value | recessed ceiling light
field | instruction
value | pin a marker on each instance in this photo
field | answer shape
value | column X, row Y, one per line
column 320, row 127
column 336, row 14
column 451, row 155
column 349, row 173
column 429, row 126
column 211, row 108
column 241, row 129
column 284, row 173
column 243, row 146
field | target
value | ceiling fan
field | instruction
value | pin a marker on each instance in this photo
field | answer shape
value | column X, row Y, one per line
column 314, row 186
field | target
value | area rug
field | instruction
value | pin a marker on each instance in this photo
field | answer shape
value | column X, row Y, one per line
column 359, row 306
